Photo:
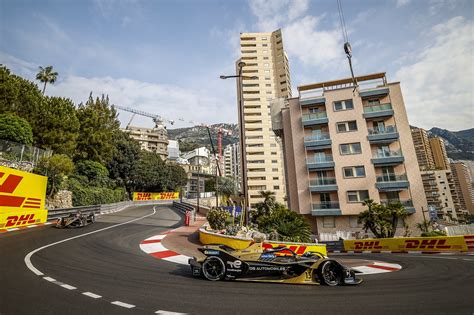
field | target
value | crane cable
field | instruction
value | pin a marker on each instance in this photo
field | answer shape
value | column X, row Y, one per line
column 347, row 45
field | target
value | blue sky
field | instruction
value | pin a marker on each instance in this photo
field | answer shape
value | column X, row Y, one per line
column 165, row 57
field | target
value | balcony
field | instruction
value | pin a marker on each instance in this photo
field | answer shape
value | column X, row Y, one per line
column 320, row 141
column 387, row 134
column 315, row 119
column 320, row 163
column 326, row 208
column 408, row 204
column 392, row 182
column 318, row 100
column 378, row 91
column 376, row 111
column 323, row 184
column 388, row 158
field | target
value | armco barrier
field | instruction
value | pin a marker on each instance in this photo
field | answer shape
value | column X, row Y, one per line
column 208, row 238
column 412, row 244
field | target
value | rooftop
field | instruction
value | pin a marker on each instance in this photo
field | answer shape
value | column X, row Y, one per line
column 342, row 82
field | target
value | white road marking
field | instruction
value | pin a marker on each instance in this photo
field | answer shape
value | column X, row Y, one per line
column 384, row 264
column 92, row 295
column 179, row 259
column 365, row 270
column 156, row 237
column 12, row 229
column 69, row 287
column 122, row 304
column 468, row 259
column 49, row 279
column 30, row 254
column 31, row 226
column 169, row 313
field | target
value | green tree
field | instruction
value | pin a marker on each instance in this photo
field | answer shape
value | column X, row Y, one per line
column 98, row 124
column 226, row 186
column 150, row 173
column 265, row 207
column 16, row 129
column 177, row 177
column 382, row 220
column 96, row 173
column 46, row 75
column 124, row 159
column 56, row 168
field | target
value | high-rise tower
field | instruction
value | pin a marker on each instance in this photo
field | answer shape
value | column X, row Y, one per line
column 266, row 60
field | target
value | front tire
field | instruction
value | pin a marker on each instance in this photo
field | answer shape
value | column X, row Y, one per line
column 330, row 273
column 213, row 268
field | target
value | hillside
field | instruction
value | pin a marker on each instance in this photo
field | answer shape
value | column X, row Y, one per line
column 197, row 136
column 459, row 144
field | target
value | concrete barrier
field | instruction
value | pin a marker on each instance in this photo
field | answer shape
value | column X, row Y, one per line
column 412, row 244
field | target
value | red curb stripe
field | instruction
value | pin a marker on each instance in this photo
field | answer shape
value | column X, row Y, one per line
column 150, row 241
column 164, row 254
column 3, row 231
column 383, row 267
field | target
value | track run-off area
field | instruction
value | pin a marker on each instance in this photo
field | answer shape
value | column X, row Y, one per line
column 100, row 269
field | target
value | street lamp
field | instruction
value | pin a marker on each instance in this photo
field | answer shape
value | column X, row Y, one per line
column 243, row 164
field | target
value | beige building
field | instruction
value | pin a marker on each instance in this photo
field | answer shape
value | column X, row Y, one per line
column 440, row 190
column 232, row 162
column 151, row 139
column 424, row 155
column 343, row 146
column 463, row 185
column 266, row 59
column 440, row 156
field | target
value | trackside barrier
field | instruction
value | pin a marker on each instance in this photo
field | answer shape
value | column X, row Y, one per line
column 412, row 244
column 102, row 209
column 187, row 210
column 208, row 238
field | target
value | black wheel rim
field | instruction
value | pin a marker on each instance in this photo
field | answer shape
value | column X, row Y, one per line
column 330, row 273
column 213, row 268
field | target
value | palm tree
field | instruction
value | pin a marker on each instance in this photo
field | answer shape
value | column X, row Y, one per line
column 46, row 75
column 268, row 200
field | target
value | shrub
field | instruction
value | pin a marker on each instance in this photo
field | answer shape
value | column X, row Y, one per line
column 217, row 218
column 433, row 233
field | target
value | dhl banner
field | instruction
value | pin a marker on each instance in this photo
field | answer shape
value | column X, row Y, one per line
column 22, row 198
column 298, row 248
column 425, row 244
column 155, row 195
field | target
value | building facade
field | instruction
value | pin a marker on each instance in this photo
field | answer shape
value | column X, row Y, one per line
column 265, row 59
column 440, row 156
column 463, row 185
column 346, row 145
column 424, row 155
column 232, row 162
column 151, row 139
column 173, row 150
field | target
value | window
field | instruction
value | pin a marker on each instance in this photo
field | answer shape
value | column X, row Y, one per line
column 274, row 169
column 275, row 178
column 374, row 102
column 354, row 171
column 353, row 221
column 273, row 145
column 265, row 58
column 274, row 161
column 274, row 153
column 357, row 195
column 350, row 148
column 264, row 38
column 347, row 126
column 264, row 45
column 343, row 105
column 329, row 222
column 266, row 64
column 268, row 85
column 265, row 51
column 313, row 110
column 276, row 187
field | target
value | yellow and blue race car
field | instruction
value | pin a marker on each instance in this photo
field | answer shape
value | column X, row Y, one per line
column 278, row 265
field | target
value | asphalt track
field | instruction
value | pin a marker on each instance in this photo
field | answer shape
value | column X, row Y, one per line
column 109, row 263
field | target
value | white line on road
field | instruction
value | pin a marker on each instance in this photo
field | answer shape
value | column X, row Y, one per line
column 468, row 259
column 30, row 254
column 92, row 295
column 169, row 313
column 49, row 279
column 122, row 304
column 69, row 287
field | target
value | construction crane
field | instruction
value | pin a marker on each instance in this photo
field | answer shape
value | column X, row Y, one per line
column 157, row 119
column 159, row 122
column 347, row 45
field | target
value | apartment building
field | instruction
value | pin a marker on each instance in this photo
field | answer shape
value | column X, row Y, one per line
column 266, row 60
column 463, row 185
column 424, row 155
column 440, row 191
column 232, row 162
column 440, row 156
column 346, row 145
column 151, row 139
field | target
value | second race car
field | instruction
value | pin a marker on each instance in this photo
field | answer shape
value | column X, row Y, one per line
column 75, row 220
column 280, row 265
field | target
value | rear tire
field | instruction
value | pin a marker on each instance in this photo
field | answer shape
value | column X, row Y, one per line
column 213, row 268
column 330, row 273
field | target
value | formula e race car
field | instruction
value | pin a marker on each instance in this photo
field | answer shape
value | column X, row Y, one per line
column 75, row 220
column 279, row 265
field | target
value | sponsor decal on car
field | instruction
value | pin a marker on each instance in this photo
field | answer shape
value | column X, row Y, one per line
column 267, row 268
column 267, row 256
column 211, row 252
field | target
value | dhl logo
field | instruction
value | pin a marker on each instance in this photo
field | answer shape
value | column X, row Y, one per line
column 425, row 244
column 9, row 186
column 298, row 249
column 143, row 196
column 367, row 245
column 24, row 219
column 155, row 196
